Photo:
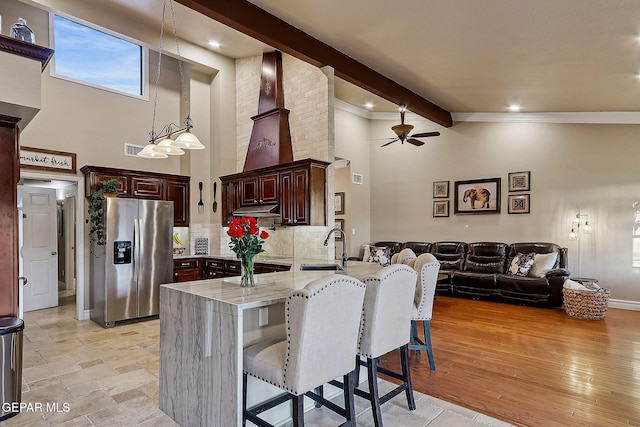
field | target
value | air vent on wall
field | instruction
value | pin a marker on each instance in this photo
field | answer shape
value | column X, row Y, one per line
column 357, row 178
column 132, row 149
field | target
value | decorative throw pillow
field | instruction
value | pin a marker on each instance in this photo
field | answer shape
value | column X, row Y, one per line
column 521, row 264
column 543, row 263
column 380, row 255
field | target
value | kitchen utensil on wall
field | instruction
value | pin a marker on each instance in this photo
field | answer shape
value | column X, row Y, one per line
column 215, row 202
column 200, row 204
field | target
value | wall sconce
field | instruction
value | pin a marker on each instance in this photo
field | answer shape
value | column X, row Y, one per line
column 579, row 221
column 160, row 144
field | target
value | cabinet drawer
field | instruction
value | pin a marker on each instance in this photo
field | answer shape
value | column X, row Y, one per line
column 270, row 268
column 186, row 275
column 186, row 263
column 214, row 264
column 232, row 268
column 212, row 274
column 148, row 188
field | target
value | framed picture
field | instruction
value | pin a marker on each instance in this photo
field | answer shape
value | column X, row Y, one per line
column 338, row 204
column 339, row 224
column 520, row 181
column 440, row 189
column 477, row 196
column 519, row 203
column 441, row 209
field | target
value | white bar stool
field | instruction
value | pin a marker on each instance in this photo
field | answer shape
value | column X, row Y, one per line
column 323, row 326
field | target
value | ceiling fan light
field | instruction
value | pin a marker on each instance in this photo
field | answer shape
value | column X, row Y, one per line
column 166, row 146
column 149, row 152
column 188, row 141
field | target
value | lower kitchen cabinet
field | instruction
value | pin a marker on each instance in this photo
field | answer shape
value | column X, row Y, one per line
column 187, row 270
column 271, row 268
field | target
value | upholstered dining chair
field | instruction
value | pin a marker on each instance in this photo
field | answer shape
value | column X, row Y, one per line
column 322, row 331
column 427, row 267
column 405, row 256
column 386, row 319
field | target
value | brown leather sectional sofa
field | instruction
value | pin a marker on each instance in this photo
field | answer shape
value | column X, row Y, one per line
column 480, row 270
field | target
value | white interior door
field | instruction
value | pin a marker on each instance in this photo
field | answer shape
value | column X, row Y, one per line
column 40, row 246
column 70, row 237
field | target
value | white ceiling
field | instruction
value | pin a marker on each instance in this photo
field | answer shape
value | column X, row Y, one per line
column 464, row 55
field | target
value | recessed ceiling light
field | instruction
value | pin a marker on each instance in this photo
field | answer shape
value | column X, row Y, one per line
column 368, row 105
column 514, row 108
column 214, row 44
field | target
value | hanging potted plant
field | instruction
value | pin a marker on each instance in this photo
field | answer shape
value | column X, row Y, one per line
column 96, row 232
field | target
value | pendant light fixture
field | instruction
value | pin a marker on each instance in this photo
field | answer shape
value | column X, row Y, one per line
column 161, row 145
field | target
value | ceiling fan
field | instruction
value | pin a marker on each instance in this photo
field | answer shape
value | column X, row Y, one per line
column 402, row 133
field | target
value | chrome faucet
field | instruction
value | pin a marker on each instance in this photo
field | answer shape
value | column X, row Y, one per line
column 344, row 243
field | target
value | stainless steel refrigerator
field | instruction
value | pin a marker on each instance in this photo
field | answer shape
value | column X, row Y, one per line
column 126, row 272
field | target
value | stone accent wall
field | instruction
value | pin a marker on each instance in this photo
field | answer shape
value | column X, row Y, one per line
column 309, row 95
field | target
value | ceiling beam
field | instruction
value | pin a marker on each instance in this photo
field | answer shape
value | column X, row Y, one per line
column 269, row 29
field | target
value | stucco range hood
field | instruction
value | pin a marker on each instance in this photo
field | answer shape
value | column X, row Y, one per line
column 258, row 211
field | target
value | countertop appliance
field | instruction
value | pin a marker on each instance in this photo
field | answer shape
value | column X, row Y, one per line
column 126, row 272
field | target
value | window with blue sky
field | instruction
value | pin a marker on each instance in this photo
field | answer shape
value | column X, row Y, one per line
column 85, row 54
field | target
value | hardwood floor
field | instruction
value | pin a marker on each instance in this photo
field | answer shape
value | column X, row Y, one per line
column 532, row 366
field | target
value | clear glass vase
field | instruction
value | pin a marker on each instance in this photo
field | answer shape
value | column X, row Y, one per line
column 246, row 271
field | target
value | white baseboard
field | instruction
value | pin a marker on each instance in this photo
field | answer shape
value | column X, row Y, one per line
column 86, row 315
column 625, row 305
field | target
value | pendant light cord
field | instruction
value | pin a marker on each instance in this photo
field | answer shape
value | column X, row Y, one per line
column 182, row 85
column 152, row 135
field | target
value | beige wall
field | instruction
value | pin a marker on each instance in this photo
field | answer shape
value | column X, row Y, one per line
column 593, row 167
column 352, row 143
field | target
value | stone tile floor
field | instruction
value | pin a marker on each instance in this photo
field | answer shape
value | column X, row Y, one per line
column 92, row 376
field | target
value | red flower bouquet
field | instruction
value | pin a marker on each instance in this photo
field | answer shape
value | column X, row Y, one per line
column 246, row 242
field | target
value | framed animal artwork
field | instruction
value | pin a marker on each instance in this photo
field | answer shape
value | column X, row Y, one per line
column 477, row 196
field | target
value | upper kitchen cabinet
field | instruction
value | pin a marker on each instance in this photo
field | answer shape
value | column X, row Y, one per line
column 178, row 192
column 297, row 188
column 259, row 190
column 144, row 185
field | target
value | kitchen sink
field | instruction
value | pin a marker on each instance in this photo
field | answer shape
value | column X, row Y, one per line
column 327, row 267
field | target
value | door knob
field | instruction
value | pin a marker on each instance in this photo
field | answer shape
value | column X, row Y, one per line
column 53, row 252
column 24, row 280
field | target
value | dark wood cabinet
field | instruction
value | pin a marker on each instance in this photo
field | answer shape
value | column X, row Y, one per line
column 271, row 268
column 268, row 185
column 213, row 268
column 9, row 282
column 249, row 191
column 187, row 269
column 295, row 206
column 124, row 187
column 299, row 188
column 230, row 199
column 146, row 188
column 178, row 193
column 259, row 190
column 144, row 185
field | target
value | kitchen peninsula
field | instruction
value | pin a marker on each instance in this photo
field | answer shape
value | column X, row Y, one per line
column 203, row 329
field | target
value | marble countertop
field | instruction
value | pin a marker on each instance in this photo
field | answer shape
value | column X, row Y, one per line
column 270, row 288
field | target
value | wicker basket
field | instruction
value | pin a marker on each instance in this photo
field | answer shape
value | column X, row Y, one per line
column 586, row 305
